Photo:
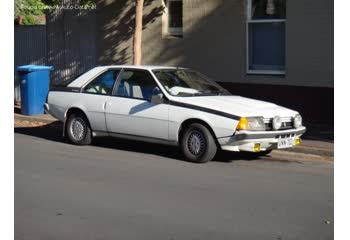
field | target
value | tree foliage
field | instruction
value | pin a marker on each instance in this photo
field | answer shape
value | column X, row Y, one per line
column 28, row 9
column 59, row 2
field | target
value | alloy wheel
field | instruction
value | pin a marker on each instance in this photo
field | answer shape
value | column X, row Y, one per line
column 196, row 143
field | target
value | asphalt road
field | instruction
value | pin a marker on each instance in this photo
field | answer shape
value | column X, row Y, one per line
column 131, row 190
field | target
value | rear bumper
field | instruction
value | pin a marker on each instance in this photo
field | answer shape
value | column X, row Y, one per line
column 53, row 111
column 46, row 108
column 246, row 140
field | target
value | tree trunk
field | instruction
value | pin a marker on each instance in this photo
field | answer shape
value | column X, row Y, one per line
column 138, row 32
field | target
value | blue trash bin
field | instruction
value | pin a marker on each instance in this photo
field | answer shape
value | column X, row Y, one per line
column 34, row 85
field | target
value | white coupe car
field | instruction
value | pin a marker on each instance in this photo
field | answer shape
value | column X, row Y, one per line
column 175, row 106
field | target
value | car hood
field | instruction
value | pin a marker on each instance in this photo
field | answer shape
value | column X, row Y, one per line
column 239, row 106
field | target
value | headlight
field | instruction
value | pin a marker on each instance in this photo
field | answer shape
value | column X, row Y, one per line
column 251, row 123
column 276, row 123
column 298, row 121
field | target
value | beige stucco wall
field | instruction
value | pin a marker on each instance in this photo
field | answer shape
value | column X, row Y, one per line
column 214, row 39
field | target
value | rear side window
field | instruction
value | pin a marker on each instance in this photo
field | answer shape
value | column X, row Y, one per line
column 103, row 84
column 137, row 84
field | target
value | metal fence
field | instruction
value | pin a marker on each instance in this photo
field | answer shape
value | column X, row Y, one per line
column 71, row 42
column 67, row 42
column 30, row 48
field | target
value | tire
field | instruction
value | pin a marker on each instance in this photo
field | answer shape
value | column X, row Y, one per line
column 78, row 130
column 198, row 144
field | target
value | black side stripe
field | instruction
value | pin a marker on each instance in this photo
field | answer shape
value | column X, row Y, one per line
column 174, row 103
column 65, row 89
column 204, row 109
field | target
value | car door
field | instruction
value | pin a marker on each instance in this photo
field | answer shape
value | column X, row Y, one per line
column 130, row 111
column 94, row 97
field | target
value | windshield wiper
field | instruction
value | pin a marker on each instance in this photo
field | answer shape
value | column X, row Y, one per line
column 222, row 92
column 219, row 92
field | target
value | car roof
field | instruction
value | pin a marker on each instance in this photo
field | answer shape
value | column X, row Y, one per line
column 148, row 67
column 145, row 67
column 81, row 80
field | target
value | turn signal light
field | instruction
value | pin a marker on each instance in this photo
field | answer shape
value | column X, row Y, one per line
column 243, row 124
column 257, row 147
column 297, row 141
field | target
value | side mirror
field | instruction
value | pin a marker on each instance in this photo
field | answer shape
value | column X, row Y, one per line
column 158, row 99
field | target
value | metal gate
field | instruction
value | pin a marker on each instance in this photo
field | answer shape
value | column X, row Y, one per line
column 30, row 48
column 71, row 41
column 67, row 42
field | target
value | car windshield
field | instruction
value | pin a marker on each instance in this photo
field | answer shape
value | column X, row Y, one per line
column 185, row 82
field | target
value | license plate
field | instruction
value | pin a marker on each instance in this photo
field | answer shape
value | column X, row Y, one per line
column 286, row 142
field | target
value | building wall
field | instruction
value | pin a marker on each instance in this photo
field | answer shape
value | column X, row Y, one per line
column 214, row 42
column 115, row 23
column 310, row 40
column 215, row 39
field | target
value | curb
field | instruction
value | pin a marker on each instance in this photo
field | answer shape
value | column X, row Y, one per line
column 287, row 155
column 312, row 151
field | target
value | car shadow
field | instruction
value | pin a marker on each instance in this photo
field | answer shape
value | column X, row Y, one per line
column 53, row 132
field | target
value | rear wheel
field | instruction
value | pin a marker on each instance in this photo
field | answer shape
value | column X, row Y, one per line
column 198, row 144
column 78, row 130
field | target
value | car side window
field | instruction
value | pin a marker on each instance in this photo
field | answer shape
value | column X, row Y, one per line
column 137, row 84
column 103, row 84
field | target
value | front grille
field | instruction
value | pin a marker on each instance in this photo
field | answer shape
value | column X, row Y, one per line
column 287, row 123
column 285, row 136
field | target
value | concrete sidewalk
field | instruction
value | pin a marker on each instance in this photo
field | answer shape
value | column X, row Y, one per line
column 44, row 118
column 318, row 140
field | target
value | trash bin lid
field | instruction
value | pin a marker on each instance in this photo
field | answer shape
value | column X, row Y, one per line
column 33, row 68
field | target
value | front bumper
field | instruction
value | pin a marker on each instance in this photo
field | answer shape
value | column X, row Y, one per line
column 247, row 140
column 54, row 111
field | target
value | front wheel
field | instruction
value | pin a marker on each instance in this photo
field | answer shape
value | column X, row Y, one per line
column 198, row 144
column 78, row 130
